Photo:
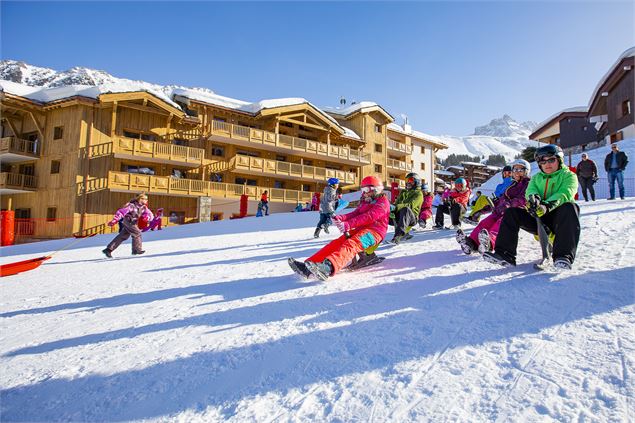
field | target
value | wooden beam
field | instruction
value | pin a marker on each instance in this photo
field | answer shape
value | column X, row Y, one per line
column 40, row 130
column 12, row 127
column 145, row 101
column 167, row 126
column 113, row 120
column 321, row 128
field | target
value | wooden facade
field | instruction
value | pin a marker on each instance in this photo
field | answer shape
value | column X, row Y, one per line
column 68, row 165
column 569, row 129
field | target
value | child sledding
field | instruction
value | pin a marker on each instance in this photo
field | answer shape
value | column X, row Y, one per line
column 362, row 230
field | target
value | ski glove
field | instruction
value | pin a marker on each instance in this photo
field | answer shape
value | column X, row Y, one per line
column 112, row 223
column 536, row 207
column 335, row 218
column 342, row 226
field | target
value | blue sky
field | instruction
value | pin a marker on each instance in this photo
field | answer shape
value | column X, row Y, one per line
column 449, row 66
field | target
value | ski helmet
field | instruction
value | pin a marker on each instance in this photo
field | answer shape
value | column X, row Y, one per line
column 333, row 181
column 549, row 150
column 506, row 168
column 523, row 163
column 372, row 181
column 413, row 179
column 460, row 181
column 425, row 187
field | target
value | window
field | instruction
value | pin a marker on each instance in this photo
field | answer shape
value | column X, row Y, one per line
column 378, row 128
column 148, row 137
column 179, row 141
column 178, row 173
column 378, row 148
column 55, row 166
column 377, row 168
column 248, row 153
column 281, row 158
column 51, row 212
column 304, row 128
column 138, row 135
column 131, row 134
column 287, row 124
column 423, row 166
column 176, row 217
column 22, row 213
column 278, row 184
column 58, row 132
column 308, row 162
column 626, row 108
column 306, row 187
column 244, row 181
column 218, row 151
column 423, row 150
column 219, row 119
column 217, row 216
column 137, row 169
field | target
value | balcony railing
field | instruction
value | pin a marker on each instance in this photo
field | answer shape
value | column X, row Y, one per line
column 18, row 181
column 266, row 138
column 400, row 147
column 195, row 188
column 19, row 146
column 151, row 150
column 278, row 168
column 397, row 164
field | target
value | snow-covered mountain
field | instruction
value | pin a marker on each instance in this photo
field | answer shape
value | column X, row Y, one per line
column 503, row 136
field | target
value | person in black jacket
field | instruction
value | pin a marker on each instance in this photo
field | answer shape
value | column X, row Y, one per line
column 614, row 164
column 587, row 173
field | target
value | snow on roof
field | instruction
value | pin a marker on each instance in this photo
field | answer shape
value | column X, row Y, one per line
column 455, row 167
column 443, row 172
column 497, row 168
column 628, row 53
column 350, row 133
column 345, row 111
column 474, row 164
column 398, row 128
column 46, row 95
column 576, row 109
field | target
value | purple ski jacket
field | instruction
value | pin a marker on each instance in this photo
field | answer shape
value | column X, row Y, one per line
column 372, row 215
column 132, row 212
column 514, row 196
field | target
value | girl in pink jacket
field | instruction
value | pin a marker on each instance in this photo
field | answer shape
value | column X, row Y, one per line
column 129, row 216
column 426, row 206
column 361, row 229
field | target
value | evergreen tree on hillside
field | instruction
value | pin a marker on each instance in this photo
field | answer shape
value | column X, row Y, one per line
column 457, row 159
column 528, row 154
column 496, row 160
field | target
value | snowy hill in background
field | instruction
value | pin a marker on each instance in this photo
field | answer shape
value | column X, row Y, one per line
column 211, row 325
column 501, row 136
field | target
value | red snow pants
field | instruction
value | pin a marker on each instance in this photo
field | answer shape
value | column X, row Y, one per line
column 341, row 251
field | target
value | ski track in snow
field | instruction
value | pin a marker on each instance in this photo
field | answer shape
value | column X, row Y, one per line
column 212, row 325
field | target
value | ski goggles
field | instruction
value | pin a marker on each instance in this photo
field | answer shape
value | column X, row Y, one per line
column 368, row 189
column 545, row 160
column 410, row 181
column 519, row 170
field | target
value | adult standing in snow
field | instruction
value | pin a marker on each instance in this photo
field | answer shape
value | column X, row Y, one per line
column 550, row 197
column 327, row 206
column 407, row 207
column 454, row 204
column 129, row 216
column 483, row 237
column 614, row 164
column 587, row 173
column 361, row 229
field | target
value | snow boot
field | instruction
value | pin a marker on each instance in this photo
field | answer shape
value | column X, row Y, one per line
column 322, row 270
column 107, row 252
column 562, row 263
column 406, row 237
column 396, row 239
column 467, row 244
column 299, row 268
column 326, row 228
column 455, row 227
column 316, row 234
column 485, row 243
column 495, row 258
column 138, row 253
column 364, row 260
column 437, row 226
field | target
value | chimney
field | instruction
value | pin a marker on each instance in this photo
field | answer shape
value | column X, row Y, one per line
column 342, row 101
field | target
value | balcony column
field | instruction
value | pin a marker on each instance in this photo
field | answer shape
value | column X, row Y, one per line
column 113, row 120
column 167, row 127
column 277, row 129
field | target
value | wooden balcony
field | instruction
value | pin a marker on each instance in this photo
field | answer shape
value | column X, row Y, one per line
column 251, row 137
column 399, row 147
column 15, row 150
column 163, row 185
column 397, row 165
column 401, row 183
column 151, row 151
column 274, row 168
column 15, row 183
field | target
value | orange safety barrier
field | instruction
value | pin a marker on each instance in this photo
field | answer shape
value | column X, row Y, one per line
column 7, row 226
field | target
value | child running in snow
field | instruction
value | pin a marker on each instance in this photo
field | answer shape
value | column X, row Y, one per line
column 483, row 237
column 426, row 206
column 361, row 229
column 129, row 216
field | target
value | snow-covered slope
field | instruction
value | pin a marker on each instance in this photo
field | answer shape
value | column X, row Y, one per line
column 501, row 136
column 211, row 325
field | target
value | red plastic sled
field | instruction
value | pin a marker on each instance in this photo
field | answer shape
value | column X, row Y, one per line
column 21, row 266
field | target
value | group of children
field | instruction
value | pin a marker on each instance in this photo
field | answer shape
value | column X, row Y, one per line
column 519, row 202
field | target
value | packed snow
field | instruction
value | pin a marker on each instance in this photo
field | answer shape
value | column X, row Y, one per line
column 210, row 324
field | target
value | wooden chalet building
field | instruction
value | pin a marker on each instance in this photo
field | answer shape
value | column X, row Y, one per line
column 569, row 128
column 71, row 156
column 611, row 104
